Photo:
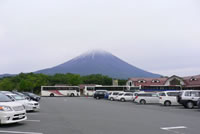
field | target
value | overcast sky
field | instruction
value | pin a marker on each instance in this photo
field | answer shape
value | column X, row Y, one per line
column 161, row 36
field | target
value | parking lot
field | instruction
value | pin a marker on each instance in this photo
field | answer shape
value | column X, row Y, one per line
column 82, row 115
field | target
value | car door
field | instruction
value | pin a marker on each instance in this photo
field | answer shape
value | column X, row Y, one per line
column 154, row 98
column 130, row 97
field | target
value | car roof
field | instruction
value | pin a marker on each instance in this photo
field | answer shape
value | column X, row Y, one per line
column 169, row 91
column 11, row 94
column 190, row 90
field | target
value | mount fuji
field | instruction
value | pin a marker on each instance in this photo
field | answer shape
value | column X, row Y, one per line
column 99, row 62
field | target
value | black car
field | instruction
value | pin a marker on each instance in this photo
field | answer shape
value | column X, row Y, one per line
column 22, row 95
column 32, row 96
column 99, row 94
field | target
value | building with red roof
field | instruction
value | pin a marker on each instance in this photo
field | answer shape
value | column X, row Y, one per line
column 190, row 82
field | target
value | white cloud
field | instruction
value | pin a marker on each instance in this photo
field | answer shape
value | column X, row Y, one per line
column 150, row 34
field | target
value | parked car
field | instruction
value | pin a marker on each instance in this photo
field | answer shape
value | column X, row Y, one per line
column 11, row 112
column 168, row 98
column 188, row 98
column 32, row 96
column 113, row 95
column 99, row 94
column 22, row 95
column 126, row 96
column 134, row 95
column 28, row 104
column 119, row 96
column 6, row 92
column 144, row 98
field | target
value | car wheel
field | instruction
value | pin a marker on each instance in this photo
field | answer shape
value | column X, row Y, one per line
column 72, row 95
column 142, row 102
column 167, row 103
column 122, row 99
column 112, row 99
column 190, row 105
column 97, row 98
column 51, row 95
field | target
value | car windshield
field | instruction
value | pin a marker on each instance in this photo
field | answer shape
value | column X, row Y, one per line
column 4, row 98
column 17, row 97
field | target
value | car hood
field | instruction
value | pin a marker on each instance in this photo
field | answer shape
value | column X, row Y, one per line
column 10, row 104
column 22, row 101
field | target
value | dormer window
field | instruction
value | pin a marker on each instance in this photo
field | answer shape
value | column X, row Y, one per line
column 193, row 79
column 141, row 81
column 155, row 81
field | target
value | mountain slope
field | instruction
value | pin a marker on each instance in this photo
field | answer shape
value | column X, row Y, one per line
column 99, row 62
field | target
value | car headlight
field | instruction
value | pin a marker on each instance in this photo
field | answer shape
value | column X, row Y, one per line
column 5, row 108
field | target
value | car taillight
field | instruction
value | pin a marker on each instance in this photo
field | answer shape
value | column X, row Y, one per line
column 136, row 97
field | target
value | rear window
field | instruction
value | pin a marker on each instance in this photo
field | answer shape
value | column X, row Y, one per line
column 145, row 95
column 128, row 94
column 115, row 93
column 100, row 92
column 173, row 93
column 162, row 94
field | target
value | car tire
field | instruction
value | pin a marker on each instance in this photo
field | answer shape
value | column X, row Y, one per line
column 72, row 95
column 122, row 99
column 142, row 102
column 167, row 103
column 52, row 95
column 112, row 99
column 190, row 105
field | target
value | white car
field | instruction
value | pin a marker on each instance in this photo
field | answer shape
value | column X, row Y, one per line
column 144, row 98
column 126, row 96
column 113, row 95
column 28, row 104
column 168, row 98
column 11, row 112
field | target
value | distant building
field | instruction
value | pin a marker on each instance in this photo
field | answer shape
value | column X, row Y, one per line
column 190, row 82
column 115, row 82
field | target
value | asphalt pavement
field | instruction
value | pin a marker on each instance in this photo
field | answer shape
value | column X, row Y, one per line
column 82, row 115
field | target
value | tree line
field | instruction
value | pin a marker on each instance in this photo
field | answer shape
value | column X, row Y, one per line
column 32, row 82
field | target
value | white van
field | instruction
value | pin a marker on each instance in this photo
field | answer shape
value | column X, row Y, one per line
column 144, row 98
column 29, row 105
column 168, row 98
column 11, row 112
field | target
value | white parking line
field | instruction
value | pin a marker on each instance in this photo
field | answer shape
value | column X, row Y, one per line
column 171, row 128
column 19, row 132
column 33, row 120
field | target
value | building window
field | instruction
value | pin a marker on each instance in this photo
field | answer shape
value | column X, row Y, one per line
column 193, row 79
column 155, row 81
column 141, row 81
